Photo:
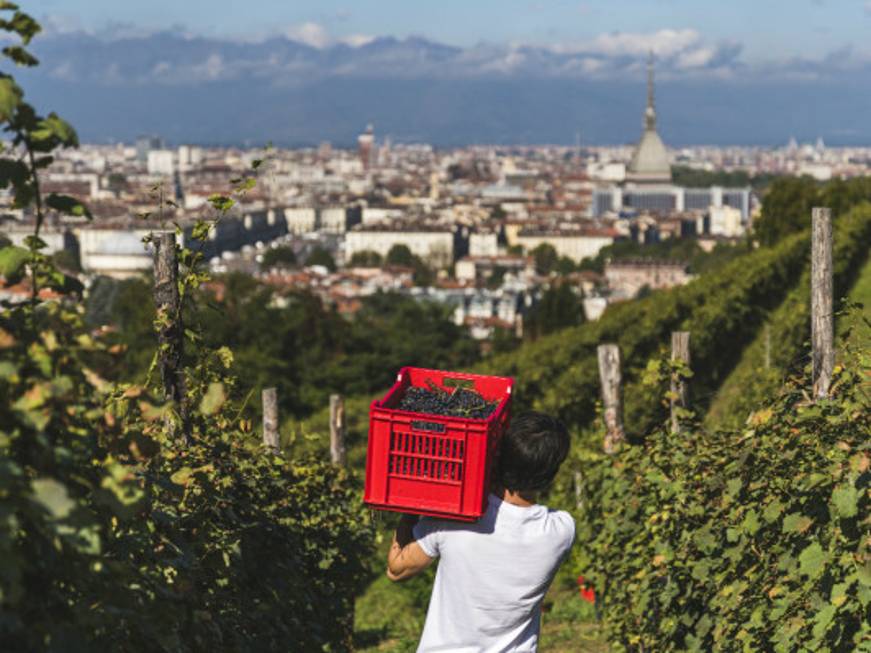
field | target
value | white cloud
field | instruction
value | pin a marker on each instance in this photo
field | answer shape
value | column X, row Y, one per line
column 312, row 34
column 664, row 43
column 357, row 40
column 697, row 58
column 212, row 68
column 868, row 7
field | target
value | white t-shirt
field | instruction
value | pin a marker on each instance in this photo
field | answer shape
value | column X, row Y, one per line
column 492, row 577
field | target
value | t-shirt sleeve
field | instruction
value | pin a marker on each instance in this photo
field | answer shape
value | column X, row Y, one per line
column 428, row 534
column 568, row 533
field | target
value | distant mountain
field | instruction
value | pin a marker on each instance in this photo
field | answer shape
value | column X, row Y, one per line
column 199, row 89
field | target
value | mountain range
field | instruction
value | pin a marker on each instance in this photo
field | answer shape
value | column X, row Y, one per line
column 196, row 89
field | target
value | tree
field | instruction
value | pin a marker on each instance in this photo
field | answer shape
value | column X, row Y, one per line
column 558, row 308
column 565, row 265
column 365, row 259
column 116, row 183
column 278, row 257
column 497, row 276
column 546, row 259
column 320, row 256
column 786, row 208
column 400, row 255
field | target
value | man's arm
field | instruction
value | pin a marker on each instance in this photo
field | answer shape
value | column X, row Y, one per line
column 406, row 558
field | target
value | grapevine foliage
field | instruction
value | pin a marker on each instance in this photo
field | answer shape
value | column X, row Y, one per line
column 748, row 540
column 114, row 535
column 559, row 373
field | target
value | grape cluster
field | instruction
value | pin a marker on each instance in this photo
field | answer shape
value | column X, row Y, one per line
column 461, row 402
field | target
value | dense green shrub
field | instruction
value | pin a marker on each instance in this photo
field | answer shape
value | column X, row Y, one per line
column 115, row 533
column 748, row 540
column 137, row 541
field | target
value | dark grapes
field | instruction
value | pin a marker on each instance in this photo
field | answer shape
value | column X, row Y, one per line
column 461, row 402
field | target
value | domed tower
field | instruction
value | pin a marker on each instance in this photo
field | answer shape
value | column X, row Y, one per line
column 649, row 163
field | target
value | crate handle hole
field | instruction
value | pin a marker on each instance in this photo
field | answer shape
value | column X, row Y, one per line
column 431, row 427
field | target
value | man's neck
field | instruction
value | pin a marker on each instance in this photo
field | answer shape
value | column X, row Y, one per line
column 522, row 499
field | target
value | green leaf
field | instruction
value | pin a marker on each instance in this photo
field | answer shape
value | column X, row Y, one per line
column 22, row 24
column 52, row 132
column 181, row 476
column 846, row 500
column 812, row 560
column 796, row 522
column 12, row 171
column 68, row 205
column 53, row 496
column 221, row 203
column 772, row 511
column 20, row 56
column 10, row 98
column 213, row 399
column 823, row 619
column 751, row 522
column 12, row 262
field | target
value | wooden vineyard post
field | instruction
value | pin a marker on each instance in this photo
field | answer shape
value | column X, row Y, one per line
column 170, row 331
column 337, row 430
column 270, row 419
column 680, row 351
column 609, row 374
column 822, row 328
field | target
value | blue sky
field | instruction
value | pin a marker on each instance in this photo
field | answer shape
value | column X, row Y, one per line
column 767, row 30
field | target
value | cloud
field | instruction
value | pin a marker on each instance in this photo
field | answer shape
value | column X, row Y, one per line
column 664, row 43
column 307, row 52
column 310, row 33
column 357, row 40
column 868, row 7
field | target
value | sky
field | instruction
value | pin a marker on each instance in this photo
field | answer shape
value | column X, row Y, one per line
column 767, row 30
column 456, row 71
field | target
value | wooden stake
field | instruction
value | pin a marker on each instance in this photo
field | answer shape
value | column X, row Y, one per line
column 270, row 419
column 170, row 332
column 578, row 496
column 609, row 374
column 680, row 351
column 337, row 430
column 822, row 328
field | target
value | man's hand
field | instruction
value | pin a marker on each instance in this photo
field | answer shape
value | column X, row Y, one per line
column 406, row 558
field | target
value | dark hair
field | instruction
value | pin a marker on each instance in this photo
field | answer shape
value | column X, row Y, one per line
column 531, row 452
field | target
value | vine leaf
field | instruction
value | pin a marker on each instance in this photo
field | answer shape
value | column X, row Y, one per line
column 53, row 496
column 812, row 560
column 12, row 262
column 68, row 205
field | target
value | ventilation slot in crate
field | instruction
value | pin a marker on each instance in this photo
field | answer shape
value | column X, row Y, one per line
column 417, row 455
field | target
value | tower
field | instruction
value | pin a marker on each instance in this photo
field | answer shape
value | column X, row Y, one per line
column 649, row 164
column 365, row 146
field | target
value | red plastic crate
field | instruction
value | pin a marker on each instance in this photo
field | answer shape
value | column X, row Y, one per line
column 432, row 464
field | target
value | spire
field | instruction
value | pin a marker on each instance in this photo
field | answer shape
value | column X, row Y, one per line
column 650, row 112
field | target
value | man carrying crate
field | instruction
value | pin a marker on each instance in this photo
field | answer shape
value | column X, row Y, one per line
column 494, row 573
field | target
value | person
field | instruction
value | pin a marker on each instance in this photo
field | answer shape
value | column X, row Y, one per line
column 494, row 573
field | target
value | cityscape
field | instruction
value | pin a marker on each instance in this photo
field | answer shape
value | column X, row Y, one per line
column 475, row 217
column 460, row 326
